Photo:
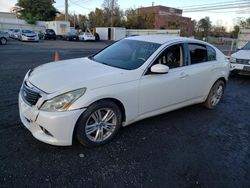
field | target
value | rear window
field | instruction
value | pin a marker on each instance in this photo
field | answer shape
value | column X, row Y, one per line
column 201, row 53
column 198, row 53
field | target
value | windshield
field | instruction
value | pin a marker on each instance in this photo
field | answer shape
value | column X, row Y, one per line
column 27, row 31
column 246, row 47
column 126, row 54
column 88, row 34
column 50, row 31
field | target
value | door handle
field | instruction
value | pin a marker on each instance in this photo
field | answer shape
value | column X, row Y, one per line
column 183, row 75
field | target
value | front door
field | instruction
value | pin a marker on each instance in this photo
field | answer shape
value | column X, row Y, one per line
column 158, row 91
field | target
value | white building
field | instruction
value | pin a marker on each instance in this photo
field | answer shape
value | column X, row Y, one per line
column 10, row 21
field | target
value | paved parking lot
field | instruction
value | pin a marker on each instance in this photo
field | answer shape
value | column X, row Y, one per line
column 190, row 147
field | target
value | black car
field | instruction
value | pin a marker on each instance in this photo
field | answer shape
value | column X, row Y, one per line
column 49, row 34
column 70, row 36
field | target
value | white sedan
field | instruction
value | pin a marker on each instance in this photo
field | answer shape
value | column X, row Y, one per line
column 135, row 78
column 28, row 35
column 86, row 36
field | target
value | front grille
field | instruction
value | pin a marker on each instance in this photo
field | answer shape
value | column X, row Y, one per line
column 243, row 61
column 30, row 95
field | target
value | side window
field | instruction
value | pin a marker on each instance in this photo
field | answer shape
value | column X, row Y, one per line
column 211, row 53
column 198, row 53
column 172, row 56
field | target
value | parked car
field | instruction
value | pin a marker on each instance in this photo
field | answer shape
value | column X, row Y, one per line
column 70, row 36
column 86, row 36
column 49, row 34
column 240, row 60
column 41, row 35
column 10, row 31
column 28, row 35
column 3, row 37
column 15, row 34
column 134, row 78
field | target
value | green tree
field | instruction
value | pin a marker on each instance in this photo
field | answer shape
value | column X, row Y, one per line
column 131, row 19
column 218, row 31
column 248, row 22
column 234, row 33
column 82, row 19
column 108, row 4
column 31, row 10
column 137, row 20
column 204, row 26
column 97, row 19
column 243, row 22
column 111, row 12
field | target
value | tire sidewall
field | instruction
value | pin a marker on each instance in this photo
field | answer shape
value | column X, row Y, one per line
column 81, row 123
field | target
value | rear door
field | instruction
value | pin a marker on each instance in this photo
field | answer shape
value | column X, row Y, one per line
column 201, row 68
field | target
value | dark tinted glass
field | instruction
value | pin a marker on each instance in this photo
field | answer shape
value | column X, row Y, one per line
column 198, row 53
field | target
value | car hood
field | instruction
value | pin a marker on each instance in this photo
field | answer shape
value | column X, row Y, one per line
column 76, row 73
column 29, row 34
column 242, row 54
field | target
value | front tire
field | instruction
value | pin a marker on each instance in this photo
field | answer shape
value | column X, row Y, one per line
column 99, row 124
column 215, row 94
column 3, row 41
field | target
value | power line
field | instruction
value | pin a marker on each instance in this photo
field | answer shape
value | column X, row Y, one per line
column 79, row 5
column 217, row 6
column 232, row 6
column 208, row 4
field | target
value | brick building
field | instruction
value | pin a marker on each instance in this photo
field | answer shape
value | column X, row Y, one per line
column 169, row 18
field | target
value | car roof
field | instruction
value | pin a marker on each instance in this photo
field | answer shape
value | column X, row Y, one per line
column 161, row 38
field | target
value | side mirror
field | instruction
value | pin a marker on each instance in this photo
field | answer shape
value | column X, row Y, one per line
column 159, row 69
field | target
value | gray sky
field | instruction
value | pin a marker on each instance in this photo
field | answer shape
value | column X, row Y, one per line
column 225, row 17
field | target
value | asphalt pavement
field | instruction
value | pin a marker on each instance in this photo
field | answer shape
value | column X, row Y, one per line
column 190, row 147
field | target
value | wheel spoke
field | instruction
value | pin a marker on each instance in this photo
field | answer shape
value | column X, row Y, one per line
column 213, row 100
column 108, row 116
column 219, row 91
column 97, row 116
column 91, row 128
column 99, row 134
column 109, row 126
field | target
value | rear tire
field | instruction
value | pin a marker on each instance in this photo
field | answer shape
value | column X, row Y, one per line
column 97, row 37
column 215, row 94
column 99, row 124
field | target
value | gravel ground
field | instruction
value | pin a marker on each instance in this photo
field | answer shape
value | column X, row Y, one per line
column 190, row 147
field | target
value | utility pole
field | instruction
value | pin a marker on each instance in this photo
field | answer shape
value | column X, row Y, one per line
column 66, row 10
column 112, row 10
column 74, row 20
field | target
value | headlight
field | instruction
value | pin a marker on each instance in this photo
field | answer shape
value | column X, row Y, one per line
column 62, row 102
column 232, row 59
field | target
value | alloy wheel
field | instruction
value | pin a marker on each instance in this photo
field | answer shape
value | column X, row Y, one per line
column 216, row 97
column 101, row 124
